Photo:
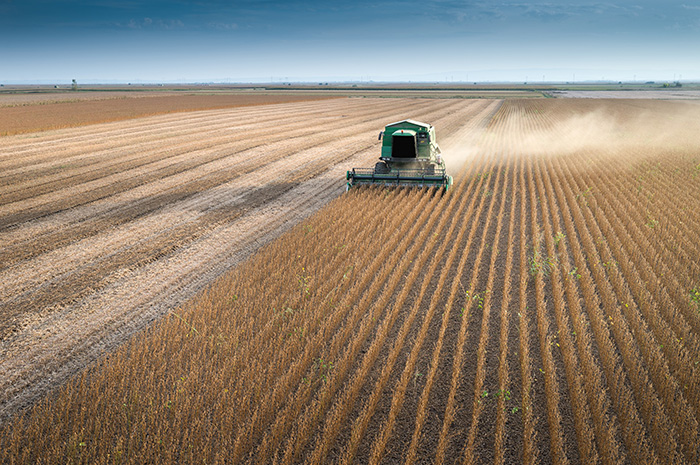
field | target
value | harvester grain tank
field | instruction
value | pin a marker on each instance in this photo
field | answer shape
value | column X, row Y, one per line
column 410, row 157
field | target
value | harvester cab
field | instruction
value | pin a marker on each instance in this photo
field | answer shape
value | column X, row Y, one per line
column 410, row 157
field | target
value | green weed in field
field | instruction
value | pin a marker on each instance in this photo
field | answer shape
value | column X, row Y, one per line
column 542, row 264
column 559, row 236
column 695, row 297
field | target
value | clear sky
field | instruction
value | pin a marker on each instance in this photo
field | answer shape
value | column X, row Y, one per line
column 46, row 41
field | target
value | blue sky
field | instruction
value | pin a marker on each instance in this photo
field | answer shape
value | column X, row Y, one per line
column 263, row 40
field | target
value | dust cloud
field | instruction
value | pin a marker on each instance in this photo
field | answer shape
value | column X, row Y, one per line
column 649, row 126
column 456, row 156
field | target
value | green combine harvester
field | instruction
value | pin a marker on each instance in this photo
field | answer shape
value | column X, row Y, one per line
column 410, row 157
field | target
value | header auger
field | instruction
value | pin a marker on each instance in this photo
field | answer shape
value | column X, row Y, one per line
column 410, row 157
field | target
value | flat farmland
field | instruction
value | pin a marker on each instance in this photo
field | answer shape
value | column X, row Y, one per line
column 31, row 112
column 24, row 97
column 666, row 94
column 546, row 310
column 108, row 227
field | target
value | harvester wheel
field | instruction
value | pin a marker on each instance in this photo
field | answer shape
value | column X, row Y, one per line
column 381, row 168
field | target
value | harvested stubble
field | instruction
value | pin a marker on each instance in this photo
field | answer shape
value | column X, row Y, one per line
column 31, row 115
column 541, row 312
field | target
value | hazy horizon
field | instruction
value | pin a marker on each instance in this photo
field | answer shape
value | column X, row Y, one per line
column 383, row 41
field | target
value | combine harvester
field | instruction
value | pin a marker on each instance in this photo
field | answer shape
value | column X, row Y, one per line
column 410, row 157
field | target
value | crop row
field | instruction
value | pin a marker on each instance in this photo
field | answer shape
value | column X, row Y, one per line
column 545, row 311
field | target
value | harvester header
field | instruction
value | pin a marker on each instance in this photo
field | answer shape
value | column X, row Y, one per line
column 410, row 157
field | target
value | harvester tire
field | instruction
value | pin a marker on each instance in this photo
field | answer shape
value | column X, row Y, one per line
column 381, row 168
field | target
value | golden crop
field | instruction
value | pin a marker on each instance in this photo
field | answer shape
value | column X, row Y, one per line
column 544, row 311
